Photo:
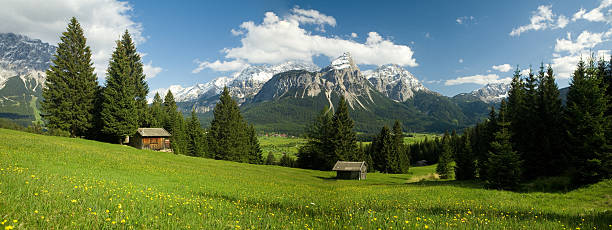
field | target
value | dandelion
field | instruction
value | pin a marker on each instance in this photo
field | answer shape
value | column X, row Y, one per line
column 73, row 201
column 8, row 227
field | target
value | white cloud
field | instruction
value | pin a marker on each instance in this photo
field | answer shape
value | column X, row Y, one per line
column 597, row 14
column 502, row 68
column 477, row 79
column 542, row 18
column 353, row 35
column 525, row 72
column 460, row 60
column 222, row 66
column 303, row 16
column 564, row 66
column 277, row 39
column 103, row 22
column 465, row 20
column 151, row 71
column 586, row 40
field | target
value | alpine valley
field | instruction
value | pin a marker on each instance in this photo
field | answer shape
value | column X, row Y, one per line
column 276, row 98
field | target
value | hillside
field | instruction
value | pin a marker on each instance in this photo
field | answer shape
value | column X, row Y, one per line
column 53, row 182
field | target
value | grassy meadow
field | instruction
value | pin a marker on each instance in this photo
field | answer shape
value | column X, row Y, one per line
column 278, row 145
column 54, row 183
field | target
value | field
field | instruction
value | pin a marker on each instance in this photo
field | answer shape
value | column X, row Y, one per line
column 52, row 182
column 278, row 145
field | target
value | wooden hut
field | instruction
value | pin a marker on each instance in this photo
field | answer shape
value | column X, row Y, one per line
column 350, row 170
column 151, row 138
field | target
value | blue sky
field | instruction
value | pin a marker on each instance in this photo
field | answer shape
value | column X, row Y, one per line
column 451, row 46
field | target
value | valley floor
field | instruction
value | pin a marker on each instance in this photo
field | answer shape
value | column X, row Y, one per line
column 53, row 182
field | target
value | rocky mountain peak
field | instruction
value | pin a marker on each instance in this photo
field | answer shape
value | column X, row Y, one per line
column 343, row 62
column 395, row 82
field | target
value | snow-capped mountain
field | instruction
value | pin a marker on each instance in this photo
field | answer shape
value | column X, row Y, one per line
column 490, row 93
column 395, row 82
column 23, row 57
column 340, row 78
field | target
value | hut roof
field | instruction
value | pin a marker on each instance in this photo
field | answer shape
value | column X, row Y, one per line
column 153, row 132
column 349, row 166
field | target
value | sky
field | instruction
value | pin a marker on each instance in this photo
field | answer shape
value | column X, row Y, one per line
column 451, row 46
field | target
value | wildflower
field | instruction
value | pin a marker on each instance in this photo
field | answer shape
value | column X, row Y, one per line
column 426, row 227
column 123, row 221
column 8, row 227
column 73, row 201
column 169, row 214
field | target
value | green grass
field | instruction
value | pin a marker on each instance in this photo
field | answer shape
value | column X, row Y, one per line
column 419, row 137
column 55, row 183
column 280, row 145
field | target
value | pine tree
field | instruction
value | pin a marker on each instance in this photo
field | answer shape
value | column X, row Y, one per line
column 504, row 171
column 135, row 72
column 586, row 126
column 382, row 151
column 488, row 131
column 180, row 138
column 158, row 114
column 549, row 161
column 195, row 137
column 527, row 147
column 227, row 137
column 255, row 153
column 445, row 168
column 170, row 109
column 401, row 161
column 465, row 165
column 344, row 139
column 315, row 153
column 71, row 85
column 118, row 114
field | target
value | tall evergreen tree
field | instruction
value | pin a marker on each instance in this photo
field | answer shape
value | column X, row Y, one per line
column 317, row 152
column 504, row 164
column 344, row 139
column 158, row 114
column 488, row 131
column 550, row 160
column 445, row 168
column 585, row 126
column 71, row 85
column 170, row 111
column 401, row 161
column 227, row 137
column 136, row 73
column 383, row 151
column 465, row 165
column 118, row 114
column 255, row 154
column 195, row 137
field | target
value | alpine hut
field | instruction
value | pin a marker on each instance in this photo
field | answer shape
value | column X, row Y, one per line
column 351, row 170
column 151, row 138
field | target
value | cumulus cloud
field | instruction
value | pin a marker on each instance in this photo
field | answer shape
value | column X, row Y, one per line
column 222, row 66
column 103, row 22
column 597, row 14
column 276, row 40
column 151, row 71
column 502, row 68
column 477, row 79
column 353, row 35
column 569, row 51
column 542, row 18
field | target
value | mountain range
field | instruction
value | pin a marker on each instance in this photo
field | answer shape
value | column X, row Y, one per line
column 282, row 98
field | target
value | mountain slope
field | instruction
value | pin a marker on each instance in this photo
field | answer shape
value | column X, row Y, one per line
column 395, row 82
column 23, row 62
column 490, row 93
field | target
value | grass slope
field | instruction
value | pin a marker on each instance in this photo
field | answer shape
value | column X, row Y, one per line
column 53, row 182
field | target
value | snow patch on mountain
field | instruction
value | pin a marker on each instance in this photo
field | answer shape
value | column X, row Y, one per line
column 491, row 93
column 394, row 82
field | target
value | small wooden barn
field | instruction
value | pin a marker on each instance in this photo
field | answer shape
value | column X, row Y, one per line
column 351, row 170
column 151, row 138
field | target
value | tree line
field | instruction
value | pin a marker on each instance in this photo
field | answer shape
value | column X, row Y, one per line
column 74, row 102
column 534, row 135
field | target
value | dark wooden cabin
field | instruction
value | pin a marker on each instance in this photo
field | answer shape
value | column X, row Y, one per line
column 350, row 170
column 151, row 138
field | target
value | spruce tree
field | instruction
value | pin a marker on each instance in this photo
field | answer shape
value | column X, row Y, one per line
column 158, row 114
column 227, row 137
column 465, row 167
column 487, row 135
column 382, row 151
column 255, row 153
column 180, row 138
column 170, row 109
column 270, row 159
column 195, row 137
column 401, row 159
column 71, row 85
column 344, row 139
column 317, row 153
column 445, row 168
column 118, row 114
column 141, row 88
column 504, row 170
column 550, row 161
column 586, row 125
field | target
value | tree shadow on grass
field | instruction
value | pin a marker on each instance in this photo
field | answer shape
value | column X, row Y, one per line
column 453, row 183
column 327, row 178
